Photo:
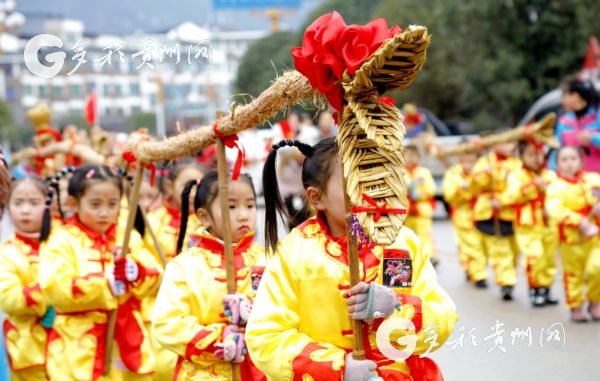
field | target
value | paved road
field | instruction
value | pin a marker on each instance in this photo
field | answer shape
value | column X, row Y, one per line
column 578, row 359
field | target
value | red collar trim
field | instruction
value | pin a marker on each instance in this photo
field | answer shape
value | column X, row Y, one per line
column 571, row 180
column 106, row 238
column 214, row 245
column 499, row 156
column 31, row 242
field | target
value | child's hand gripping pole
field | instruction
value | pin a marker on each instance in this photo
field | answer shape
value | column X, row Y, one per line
column 134, row 199
column 227, row 236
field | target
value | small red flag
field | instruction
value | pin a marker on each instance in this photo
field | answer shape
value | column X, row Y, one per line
column 90, row 109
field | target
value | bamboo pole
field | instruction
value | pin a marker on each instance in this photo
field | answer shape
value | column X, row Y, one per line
column 133, row 203
column 358, row 347
column 227, row 234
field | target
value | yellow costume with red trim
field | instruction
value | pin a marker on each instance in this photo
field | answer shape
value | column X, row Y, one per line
column 165, row 224
column 500, row 250
column 536, row 237
column 569, row 202
column 421, row 200
column 189, row 316
column 73, row 263
column 21, row 299
column 300, row 328
column 459, row 193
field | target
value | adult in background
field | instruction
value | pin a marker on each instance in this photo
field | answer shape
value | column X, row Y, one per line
column 581, row 126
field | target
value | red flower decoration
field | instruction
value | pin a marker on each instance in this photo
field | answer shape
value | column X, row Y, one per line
column 387, row 100
column 329, row 47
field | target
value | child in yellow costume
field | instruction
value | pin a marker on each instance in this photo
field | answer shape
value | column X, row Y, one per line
column 194, row 317
column 459, row 193
column 301, row 323
column 81, row 278
column 421, row 193
column 29, row 318
column 573, row 203
column 165, row 222
column 537, row 239
column 495, row 219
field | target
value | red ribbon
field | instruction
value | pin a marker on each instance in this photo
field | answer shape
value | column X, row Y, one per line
column 232, row 141
column 378, row 209
column 130, row 157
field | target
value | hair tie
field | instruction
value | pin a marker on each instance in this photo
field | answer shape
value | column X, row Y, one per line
column 49, row 198
column 90, row 173
column 198, row 182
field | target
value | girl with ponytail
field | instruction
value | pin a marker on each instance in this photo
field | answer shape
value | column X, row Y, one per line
column 194, row 317
column 29, row 317
column 301, row 322
column 82, row 279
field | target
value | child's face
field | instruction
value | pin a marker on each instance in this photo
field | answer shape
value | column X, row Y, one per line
column 532, row 158
column 98, row 208
column 26, row 207
column 412, row 158
column 242, row 212
column 569, row 161
column 467, row 161
column 185, row 175
column 148, row 196
column 331, row 202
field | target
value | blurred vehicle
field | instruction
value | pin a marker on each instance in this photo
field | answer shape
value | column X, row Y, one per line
column 444, row 135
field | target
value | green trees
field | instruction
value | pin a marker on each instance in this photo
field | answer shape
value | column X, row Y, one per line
column 488, row 60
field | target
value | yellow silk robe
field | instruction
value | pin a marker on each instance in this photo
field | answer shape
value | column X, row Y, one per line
column 300, row 327
column 73, row 263
column 189, row 317
column 21, row 299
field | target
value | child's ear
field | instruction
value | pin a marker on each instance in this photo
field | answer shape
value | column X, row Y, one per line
column 73, row 204
column 204, row 217
column 314, row 196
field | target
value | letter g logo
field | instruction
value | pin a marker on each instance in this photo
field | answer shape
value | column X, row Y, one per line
column 57, row 59
column 383, row 339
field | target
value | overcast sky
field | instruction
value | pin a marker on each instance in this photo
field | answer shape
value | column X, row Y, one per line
column 127, row 16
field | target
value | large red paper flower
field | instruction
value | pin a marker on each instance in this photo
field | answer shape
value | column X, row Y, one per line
column 330, row 47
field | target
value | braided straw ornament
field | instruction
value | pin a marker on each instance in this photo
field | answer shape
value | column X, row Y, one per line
column 371, row 133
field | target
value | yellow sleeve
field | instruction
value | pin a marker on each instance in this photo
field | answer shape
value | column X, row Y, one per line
column 175, row 327
column 272, row 336
column 519, row 190
column 17, row 298
column 453, row 190
column 427, row 305
column 555, row 205
column 60, row 280
column 479, row 175
column 151, row 272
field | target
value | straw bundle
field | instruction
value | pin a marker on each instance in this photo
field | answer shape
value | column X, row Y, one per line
column 371, row 134
column 289, row 89
column 542, row 130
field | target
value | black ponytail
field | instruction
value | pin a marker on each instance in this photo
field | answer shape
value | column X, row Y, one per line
column 185, row 211
column 274, row 206
column 47, row 216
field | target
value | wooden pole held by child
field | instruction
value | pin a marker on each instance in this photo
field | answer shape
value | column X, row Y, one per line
column 227, row 234
column 358, row 348
column 134, row 199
